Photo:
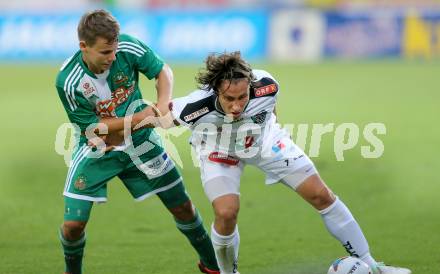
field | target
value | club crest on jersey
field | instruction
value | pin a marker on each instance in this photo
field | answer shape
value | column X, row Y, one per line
column 259, row 118
column 119, row 78
column 80, row 183
column 196, row 114
column 265, row 90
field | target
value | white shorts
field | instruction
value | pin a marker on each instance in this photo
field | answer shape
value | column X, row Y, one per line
column 279, row 158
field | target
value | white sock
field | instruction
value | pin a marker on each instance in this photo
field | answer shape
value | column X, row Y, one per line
column 226, row 250
column 341, row 224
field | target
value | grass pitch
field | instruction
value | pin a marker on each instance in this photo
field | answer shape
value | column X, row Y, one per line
column 394, row 197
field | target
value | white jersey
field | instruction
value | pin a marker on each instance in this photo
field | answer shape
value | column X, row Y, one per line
column 213, row 131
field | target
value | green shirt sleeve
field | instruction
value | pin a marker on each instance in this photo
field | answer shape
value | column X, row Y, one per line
column 144, row 59
column 79, row 110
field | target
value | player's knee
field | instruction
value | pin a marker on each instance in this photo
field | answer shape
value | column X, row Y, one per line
column 72, row 230
column 322, row 198
column 184, row 212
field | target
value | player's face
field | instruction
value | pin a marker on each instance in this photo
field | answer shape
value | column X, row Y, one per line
column 234, row 96
column 100, row 56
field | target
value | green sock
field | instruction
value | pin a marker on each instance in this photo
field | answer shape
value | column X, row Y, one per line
column 199, row 239
column 73, row 253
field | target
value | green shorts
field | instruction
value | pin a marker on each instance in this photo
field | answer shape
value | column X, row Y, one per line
column 79, row 210
column 151, row 173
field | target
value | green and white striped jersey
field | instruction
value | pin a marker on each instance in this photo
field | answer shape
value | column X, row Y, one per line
column 87, row 96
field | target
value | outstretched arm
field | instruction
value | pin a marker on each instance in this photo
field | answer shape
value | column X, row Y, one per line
column 147, row 118
column 111, row 124
column 111, row 130
column 118, row 124
column 164, row 88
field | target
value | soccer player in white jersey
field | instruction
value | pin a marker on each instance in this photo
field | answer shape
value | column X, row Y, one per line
column 233, row 123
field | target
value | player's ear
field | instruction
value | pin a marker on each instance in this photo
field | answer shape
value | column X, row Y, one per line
column 82, row 45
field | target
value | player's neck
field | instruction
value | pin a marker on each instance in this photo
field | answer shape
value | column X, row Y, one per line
column 91, row 68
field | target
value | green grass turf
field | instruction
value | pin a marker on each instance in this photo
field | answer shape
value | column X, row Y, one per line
column 394, row 197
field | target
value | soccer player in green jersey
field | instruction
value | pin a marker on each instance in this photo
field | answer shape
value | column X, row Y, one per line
column 99, row 89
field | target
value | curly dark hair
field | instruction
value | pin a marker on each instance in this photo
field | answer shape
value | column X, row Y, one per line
column 98, row 23
column 221, row 67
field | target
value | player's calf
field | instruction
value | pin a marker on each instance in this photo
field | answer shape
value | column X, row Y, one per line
column 73, row 251
column 184, row 212
column 189, row 222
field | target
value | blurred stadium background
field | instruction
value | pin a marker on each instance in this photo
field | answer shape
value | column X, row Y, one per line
column 294, row 30
column 359, row 61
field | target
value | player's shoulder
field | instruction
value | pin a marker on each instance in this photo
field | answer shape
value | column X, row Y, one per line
column 131, row 45
column 70, row 67
column 199, row 95
column 196, row 105
column 264, row 84
column 123, row 37
column 260, row 73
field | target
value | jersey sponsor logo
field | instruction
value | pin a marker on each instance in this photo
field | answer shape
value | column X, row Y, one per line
column 88, row 89
column 263, row 91
column 259, row 118
column 107, row 108
column 121, row 94
column 196, row 114
column 157, row 166
column 221, row 158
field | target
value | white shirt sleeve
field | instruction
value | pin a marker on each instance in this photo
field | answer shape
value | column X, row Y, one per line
column 178, row 105
column 184, row 109
column 258, row 73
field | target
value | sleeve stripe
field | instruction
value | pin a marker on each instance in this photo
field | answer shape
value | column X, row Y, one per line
column 130, row 44
column 140, row 51
column 69, row 98
column 71, row 86
column 70, row 101
column 130, row 51
column 70, row 75
column 132, row 48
